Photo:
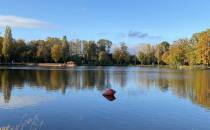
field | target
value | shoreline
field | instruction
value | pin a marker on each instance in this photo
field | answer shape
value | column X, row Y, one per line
column 74, row 65
column 40, row 64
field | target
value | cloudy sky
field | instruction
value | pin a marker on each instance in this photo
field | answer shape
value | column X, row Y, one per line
column 131, row 21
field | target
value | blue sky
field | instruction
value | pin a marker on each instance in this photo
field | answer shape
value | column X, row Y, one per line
column 131, row 21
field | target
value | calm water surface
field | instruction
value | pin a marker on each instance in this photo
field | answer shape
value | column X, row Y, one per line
column 64, row 99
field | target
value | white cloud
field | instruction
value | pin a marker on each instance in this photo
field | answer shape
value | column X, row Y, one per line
column 15, row 21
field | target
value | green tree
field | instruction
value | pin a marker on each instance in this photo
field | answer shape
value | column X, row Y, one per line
column 102, row 58
column 76, row 47
column 89, row 50
column 158, row 53
column 65, row 49
column 116, row 55
column 19, row 50
column 31, row 51
column 160, row 50
column 121, row 54
column 104, row 45
column 141, row 57
column 1, row 46
column 149, row 53
column 7, row 43
column 42, row 53
column 124, row 54
column 56, row 53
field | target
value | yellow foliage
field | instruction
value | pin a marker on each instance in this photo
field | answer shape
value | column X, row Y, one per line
column 56, row 52
column 203, row 48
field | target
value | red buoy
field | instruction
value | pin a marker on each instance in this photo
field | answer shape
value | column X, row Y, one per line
column 109, row 92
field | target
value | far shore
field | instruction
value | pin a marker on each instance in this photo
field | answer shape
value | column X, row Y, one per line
column 183, row 67
column 40, row 64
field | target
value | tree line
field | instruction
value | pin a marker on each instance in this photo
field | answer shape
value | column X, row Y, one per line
column 193, row 51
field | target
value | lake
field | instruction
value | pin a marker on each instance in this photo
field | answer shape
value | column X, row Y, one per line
column 63, row 99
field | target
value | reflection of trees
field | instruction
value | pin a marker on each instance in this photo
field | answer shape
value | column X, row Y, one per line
column 101, row 79
column 162, row 83
column 74, row 79
column 92, row 79
column 89, row 78
column 194, row 85
column 52, row 80
column 202, row 88
column 120, row 77
column 5, row 86
column 145, row 80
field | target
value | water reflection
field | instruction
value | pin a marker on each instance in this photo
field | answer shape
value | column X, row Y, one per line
column 110, row 98
column 194, row 85
column 23, row 101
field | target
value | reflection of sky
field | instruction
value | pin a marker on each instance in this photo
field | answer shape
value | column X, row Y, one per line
column 22, row 101
column 146, row 99
column 24, row 98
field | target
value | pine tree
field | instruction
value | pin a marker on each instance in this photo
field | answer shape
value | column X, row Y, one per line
column 65, row 49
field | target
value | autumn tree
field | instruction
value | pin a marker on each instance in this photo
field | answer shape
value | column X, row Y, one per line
column 56, row 53
column 191, row 51
column 7, row 44
column 160, row 50
column 121, row 54
column 195, row 51
column 149, row 53
column 166, row 58
column 178, row 51
column 203, row 48
column 124, row 54
column 141, row 57
column 116, row 55
column 1, row 42
column 42, row 53
column 191, row 56
column 50, row 41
